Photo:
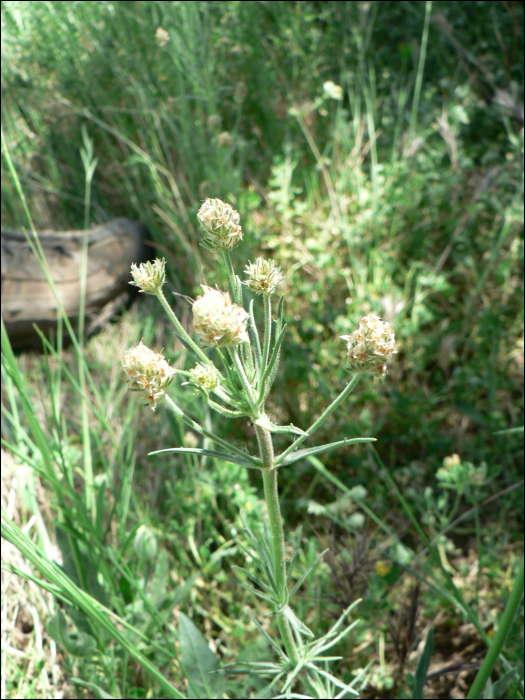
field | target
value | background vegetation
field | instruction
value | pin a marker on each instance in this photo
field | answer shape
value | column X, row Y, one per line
column 402, row 199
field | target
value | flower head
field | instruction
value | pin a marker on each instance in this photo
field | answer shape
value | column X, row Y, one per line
column 205, row 376
column 217, row 321
column 371, row 345
column 145, row 543
column 332, row 90
column 263, row 276
column 221, row 223
column 149, row 277
column 147, row 372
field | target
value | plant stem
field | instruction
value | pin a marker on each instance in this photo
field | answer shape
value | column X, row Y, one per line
column 235, row 288
column 264, row 438
column 245, row 381
column 499, row 638
column 167, row 308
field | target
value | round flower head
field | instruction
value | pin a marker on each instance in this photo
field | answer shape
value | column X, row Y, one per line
column 149, row 277
column 263, row 276
column 217, row 321
column 221, row 223
column 371, row 345
column 147, row 372
column 205, row 376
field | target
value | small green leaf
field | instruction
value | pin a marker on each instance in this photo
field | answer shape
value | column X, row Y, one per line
column 422, row 667
column 249, row 461
column 77, row 644
column 201, row 665
column 301, row 454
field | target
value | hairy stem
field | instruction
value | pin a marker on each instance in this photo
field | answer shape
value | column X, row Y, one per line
column 264, row 438
column 167, row 308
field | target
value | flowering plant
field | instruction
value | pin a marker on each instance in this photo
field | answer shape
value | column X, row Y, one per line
column 249, row 367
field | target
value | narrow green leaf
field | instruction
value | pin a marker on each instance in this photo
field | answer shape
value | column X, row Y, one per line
column 249, row 461
column 254, row 334
column 273, row 365
column 305, row 574
column 297, row 545
column 301, row 454
column 265, row 634
column 422, row 667
column 296, row 622
column 200, row 663
column 253, row 590
column 252, row 577
column 279, row 314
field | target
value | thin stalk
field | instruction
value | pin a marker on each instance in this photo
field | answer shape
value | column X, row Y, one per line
column 267, row 330
column 271, row 493
column 90, row 164
column 245, row 382
column 499, row 638
column 232, row 278
column 342, row 396
column 264, row 438
column 421, row 67
column 167, row 308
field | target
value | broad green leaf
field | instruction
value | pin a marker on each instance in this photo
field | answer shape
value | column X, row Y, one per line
column 422, row 667
column 200, row 663
column 301, row 454
column 77, row 644
column 249, row 461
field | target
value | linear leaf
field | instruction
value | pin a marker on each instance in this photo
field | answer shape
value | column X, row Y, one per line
column 422, row 667
column 296, row 622
column 249, row 461
column 308, row 570
column 301, row 454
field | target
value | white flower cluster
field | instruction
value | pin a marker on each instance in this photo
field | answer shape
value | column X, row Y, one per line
column 147, row 372
column 263, row 276
column 149, row 277
column 217, row 321
column 205, row 376
column 371, row 345
column 221, row 223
